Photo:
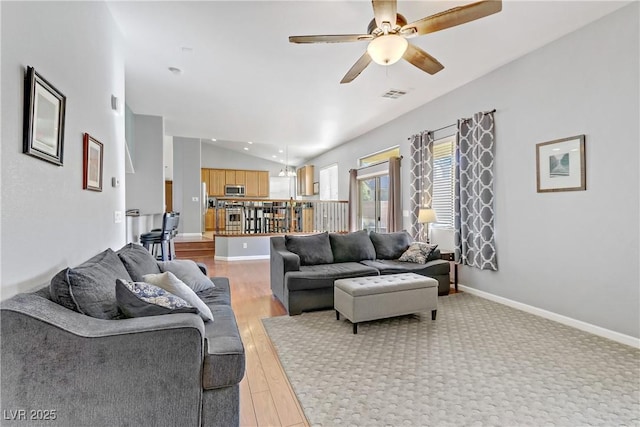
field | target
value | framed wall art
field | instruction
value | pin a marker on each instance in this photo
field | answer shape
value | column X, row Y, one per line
column 561, row 165
column 92, row 164
column 44, row 108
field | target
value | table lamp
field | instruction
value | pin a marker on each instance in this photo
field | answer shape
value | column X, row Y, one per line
column 425, row 216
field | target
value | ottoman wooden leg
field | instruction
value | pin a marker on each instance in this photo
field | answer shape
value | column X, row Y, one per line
column 337, row 315
column 355, row 328
column 433, row 314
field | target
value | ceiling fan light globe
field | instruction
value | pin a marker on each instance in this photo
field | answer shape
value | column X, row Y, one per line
column 387, row 49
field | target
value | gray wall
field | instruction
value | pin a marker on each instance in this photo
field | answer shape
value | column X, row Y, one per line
column 48, row 221
column 145, row 187
column 221, row 158
column 187, row 184
column 572, row 253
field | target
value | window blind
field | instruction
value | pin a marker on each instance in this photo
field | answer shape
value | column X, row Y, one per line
column 443, row 181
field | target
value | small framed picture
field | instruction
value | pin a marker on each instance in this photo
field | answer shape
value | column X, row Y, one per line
column 561, row 165
column 92, row 164
column 43, row 128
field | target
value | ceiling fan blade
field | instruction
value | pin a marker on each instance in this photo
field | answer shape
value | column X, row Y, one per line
column 340, row 38
column 422, row 59
column 385, row 11
column 357, row 68
column 452, row 17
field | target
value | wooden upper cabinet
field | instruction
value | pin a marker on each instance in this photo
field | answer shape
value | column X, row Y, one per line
column 263, row 184
column 241, row 177
column 251, row 184
column 217, row 179
column 204, row 176
column 230, row 176
column 305, row 180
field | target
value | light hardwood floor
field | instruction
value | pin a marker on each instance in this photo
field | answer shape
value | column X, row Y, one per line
column 266, row 397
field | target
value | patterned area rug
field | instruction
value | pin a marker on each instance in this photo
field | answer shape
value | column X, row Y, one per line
column 479, row 363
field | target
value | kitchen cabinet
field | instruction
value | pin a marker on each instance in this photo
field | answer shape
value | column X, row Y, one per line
column 240, row 177
column 204, row 177
column 230, row 176
column 263, row 184
column 221, row 219
column 209, row 220
column 251, row 184
column 216, row 182
column 305, row 180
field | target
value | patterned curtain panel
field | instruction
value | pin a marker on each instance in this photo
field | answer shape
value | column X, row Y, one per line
column 421, row 179
column 394, row 211
column 474, row 195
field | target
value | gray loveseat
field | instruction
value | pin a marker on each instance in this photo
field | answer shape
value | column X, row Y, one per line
column 303, row 268
column 64, row 368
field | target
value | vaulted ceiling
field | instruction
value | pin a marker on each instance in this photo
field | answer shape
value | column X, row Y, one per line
column 242, row 81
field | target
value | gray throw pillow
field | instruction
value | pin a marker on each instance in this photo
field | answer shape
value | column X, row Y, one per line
column 352, row 247
column 139, row 299
column 390, row 245
column 90, row 288
column 418, row 253
column 138, row 261
column 187, row 271
column 312, row 250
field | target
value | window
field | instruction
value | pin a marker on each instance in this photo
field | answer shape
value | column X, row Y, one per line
column 443, row 181
column 380, row 156
column 373, row 203
column 329, row 182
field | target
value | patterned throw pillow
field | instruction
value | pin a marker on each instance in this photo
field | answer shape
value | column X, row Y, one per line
column 170, row 283
column 418, row 253
column 139, row 299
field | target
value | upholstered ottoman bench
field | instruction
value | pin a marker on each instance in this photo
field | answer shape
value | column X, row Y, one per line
column 360, row 299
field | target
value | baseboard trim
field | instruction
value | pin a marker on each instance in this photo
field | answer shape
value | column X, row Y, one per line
column 578, row 324
column 240, row 258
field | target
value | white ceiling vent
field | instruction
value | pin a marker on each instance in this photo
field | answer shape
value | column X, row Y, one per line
column 394, row 93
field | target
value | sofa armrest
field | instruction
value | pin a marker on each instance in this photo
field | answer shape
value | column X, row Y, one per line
column 282, row 261
column 100, row 372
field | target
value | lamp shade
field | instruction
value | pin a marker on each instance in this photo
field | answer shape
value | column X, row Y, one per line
column 387, row 49
column 427, row 215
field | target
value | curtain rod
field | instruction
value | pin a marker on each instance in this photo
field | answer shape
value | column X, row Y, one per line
column 454, row 124
column 373, row 164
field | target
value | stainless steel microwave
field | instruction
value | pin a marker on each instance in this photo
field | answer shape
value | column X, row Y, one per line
column 234, row 190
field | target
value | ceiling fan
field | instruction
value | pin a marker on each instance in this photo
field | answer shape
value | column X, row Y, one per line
column 388, row 33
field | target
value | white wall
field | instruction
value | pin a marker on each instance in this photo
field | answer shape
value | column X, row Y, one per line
column 187, row 184
column 145, row 187
column 48, row 221
column 221, row 158
column 168, row 157
column 572, row 253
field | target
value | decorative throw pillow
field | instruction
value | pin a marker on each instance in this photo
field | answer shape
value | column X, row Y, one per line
column 390, row 245
column 90, row 287
column 418, row 253
column 138, row 261
column 312, row 250
column 352, row 247
column 187, row 271
column 139, row 299
column 169, row 282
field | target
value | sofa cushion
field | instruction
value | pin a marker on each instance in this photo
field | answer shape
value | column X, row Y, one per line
column 390, row 245
column 417, row 252
column 224, row 360
column 90, row 288
column 323, row 276
column 352, row 247
column 139, row 299
column 218, row 295
column 431, row 268
column 313, row 249
column 138, row 261
column 187, row 271
column 169, row 282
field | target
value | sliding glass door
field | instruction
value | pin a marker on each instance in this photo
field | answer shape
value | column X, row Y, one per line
column 374, row 198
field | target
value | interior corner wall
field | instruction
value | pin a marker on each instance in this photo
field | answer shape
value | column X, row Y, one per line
column 48, row 221
column 187, row 185
column 572, row 253
column 145, row 187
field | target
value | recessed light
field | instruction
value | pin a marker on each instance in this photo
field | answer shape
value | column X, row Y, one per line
column 213, row 139
column 175, row 70
column 280, row 151
column 249, row 142
column 246, row 148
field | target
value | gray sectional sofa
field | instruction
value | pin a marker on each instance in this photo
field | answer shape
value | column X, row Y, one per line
column 303, row 268
column 62, row 367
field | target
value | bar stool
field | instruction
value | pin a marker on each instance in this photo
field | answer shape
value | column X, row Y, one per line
column 161, row 239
